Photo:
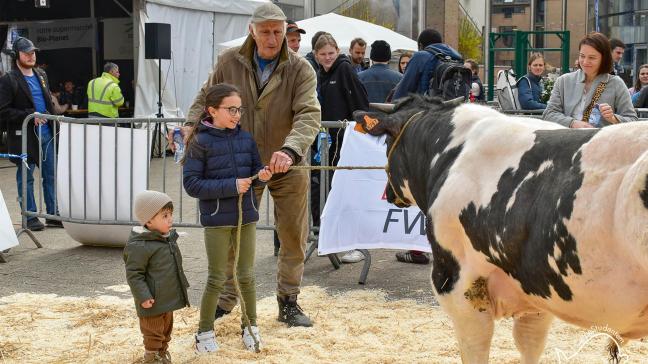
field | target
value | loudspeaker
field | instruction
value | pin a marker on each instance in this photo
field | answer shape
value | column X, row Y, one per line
column 157, row 41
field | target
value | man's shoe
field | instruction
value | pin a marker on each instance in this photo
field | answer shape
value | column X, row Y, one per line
column 410, row 257
column 353, row 256
column 35, row 225
column 220, row 312
column 53, row 223
column 291, row 313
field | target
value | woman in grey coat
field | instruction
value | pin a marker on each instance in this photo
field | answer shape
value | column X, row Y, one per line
column 572, row 94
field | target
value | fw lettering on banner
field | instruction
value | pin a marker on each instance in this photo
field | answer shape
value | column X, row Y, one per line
column 357, row 214
column 402, row 216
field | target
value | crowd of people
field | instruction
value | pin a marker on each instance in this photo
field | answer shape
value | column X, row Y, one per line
column 258, row 114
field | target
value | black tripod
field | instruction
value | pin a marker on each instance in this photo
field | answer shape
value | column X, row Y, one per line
column 156, row 151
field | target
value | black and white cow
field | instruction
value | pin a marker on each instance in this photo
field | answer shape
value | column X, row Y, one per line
column 526, row 219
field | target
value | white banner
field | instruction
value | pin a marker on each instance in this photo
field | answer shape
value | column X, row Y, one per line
column 8, row 237
column 118, row 38
column 55, row 34
column 98, row 161
column 357, row 214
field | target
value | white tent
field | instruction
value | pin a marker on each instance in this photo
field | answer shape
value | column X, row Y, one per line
column 344, row 29
column 197, row 26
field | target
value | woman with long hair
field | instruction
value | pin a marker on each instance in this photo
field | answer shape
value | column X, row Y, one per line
column 529, row 86
column 640, row 83
column 221, row 158
column 340, row 94
column 403, row 60
column 590, row 96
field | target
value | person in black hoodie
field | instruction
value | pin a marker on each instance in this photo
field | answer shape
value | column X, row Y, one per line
column 340, row 94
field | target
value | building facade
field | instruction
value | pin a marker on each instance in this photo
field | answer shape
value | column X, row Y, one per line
column 626, row 20
column 539, row 15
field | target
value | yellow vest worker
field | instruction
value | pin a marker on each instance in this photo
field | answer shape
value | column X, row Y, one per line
column 104, row 95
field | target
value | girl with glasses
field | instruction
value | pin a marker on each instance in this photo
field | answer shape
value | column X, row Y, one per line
column 218, row 164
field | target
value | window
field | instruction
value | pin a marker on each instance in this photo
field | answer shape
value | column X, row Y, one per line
column 508, row 12
column 507, row 40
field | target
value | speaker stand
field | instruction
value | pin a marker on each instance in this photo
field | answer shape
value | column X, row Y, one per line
column 157, row 151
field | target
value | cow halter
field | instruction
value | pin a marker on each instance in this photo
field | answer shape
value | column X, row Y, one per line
column 391, row 151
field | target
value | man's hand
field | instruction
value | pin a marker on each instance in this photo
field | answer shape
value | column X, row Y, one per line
column 148, row 303
column 608, row 113
column 243, row 185
column 577, row 124
column 280, row 162
column 39, row 121
column 265, row 174
column 184, row 131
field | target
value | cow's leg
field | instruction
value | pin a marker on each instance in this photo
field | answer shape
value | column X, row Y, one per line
column 473, row 329
column 530, row 334
column 473, row 324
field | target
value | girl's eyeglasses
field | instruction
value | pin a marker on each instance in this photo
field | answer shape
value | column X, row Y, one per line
column 233, row 110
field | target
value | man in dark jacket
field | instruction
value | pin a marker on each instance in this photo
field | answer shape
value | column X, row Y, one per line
column 23, row 91
column 379, row 80
column 423, row 63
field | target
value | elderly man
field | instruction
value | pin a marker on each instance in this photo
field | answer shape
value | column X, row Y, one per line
column 278, row 88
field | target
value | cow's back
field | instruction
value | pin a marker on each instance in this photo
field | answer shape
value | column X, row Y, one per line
column 549, row 207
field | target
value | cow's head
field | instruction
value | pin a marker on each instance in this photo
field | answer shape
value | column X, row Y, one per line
column 390, row 120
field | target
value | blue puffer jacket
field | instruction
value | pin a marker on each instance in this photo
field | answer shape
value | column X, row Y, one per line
column 530, row 92
column 213, row 162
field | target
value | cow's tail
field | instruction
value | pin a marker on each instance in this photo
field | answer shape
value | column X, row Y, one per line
column 613, row 351
column 631, row 209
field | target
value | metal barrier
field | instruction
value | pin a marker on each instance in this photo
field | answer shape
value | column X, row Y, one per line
column 184, row 203
column 186, row 207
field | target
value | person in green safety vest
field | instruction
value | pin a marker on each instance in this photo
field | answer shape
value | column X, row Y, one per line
column 104, row 95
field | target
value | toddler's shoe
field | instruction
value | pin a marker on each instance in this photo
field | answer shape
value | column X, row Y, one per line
column 166, row 357
column 152, row 357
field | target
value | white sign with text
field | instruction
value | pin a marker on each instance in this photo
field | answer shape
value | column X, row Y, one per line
column 357, row 214
column 8, row 236
column 54, row 34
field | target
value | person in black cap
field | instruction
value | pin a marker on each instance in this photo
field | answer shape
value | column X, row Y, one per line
column 379, row 80
column 293, row 35
column 23, row 91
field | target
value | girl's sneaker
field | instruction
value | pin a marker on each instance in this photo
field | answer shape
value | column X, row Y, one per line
column 206, row 342
column 248, row 340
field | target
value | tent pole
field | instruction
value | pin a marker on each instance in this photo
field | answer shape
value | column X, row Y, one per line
column 94, row 38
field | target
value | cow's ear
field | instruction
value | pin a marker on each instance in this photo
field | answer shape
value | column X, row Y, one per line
column 374, row 123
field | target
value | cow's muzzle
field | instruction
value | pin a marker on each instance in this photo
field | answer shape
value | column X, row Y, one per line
column 395, row 199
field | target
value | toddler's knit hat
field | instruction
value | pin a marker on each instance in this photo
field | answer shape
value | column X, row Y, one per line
column 148, row 203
